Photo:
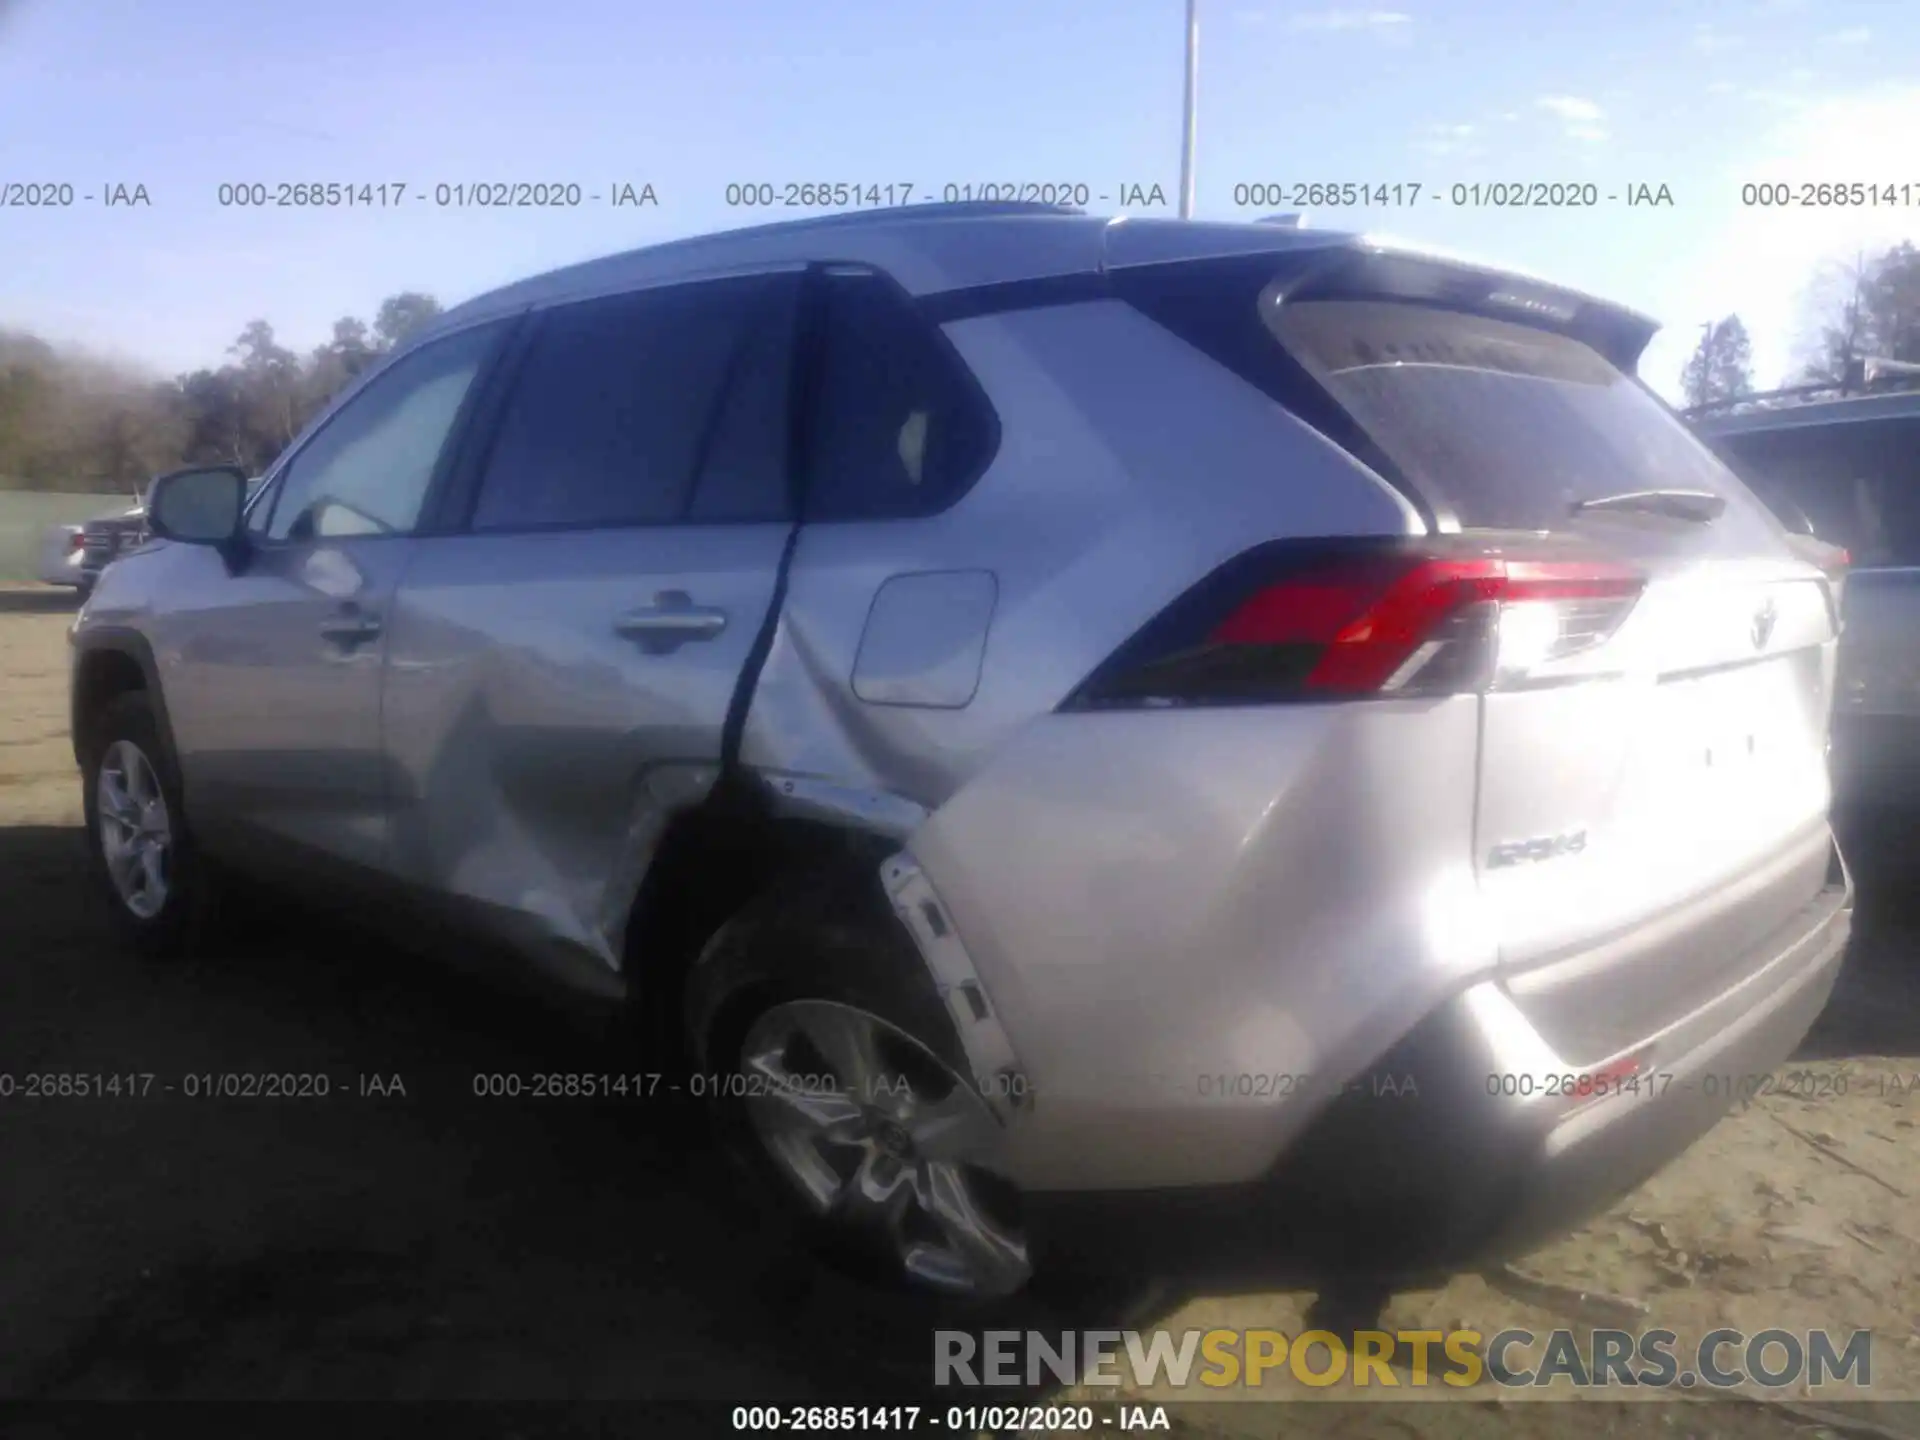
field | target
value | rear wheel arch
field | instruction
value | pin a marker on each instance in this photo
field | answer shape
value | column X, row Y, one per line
column 713, row 861
column 809, row 987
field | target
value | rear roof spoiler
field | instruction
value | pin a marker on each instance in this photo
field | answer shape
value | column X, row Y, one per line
column 1393, row 269
column 1325, row 264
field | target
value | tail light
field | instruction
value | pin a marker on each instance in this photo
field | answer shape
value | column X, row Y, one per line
column 1438, row 615
column 77, row 541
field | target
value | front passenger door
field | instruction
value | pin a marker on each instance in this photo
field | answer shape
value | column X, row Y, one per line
column 273, row 673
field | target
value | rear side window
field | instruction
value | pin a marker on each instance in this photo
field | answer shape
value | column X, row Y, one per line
column 647, row 408
column 1513, row 425
column 1855, row 484
column 897, row 427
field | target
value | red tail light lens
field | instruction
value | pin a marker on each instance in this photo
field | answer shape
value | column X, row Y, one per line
column 1435, row 617
column 77, row 540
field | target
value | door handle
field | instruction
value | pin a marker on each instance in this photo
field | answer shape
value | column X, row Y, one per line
column 670, row 622
column 350, row 628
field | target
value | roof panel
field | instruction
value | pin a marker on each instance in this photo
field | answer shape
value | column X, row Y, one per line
column 927, row 249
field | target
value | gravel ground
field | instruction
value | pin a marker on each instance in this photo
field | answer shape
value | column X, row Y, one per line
column 434, row 1245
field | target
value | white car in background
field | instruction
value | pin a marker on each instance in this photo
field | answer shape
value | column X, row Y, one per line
column 73, row 555
column 62, row 549
column 106, row 537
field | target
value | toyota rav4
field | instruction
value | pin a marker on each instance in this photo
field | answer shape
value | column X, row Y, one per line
column 1275, row 733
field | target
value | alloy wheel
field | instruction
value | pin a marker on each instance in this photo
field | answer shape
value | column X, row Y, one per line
column 136, row 832
column 885, row 1141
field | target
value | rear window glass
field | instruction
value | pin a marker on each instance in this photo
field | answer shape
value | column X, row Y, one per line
column 1512, row 425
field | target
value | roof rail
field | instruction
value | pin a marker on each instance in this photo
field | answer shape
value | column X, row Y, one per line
column 1877, row 368
column 1816, row 393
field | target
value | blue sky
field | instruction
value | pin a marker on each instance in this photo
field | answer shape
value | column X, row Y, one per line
column 1697, row 96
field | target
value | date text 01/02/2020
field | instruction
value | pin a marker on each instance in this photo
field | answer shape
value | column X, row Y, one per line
column 652, row 1085
column 199, row 1085
column 64, row 195
column 1478, row 195
column 643, row 1085
column 1821, row 1084
column 443, row 195
column 955, row 1419
column 859, row 194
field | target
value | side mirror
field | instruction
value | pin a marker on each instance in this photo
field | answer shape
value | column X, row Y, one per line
column 199, row 506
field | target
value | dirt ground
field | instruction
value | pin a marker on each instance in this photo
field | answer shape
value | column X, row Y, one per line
column 432, row 1245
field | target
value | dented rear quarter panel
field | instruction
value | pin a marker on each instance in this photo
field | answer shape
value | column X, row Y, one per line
column 1120, row 481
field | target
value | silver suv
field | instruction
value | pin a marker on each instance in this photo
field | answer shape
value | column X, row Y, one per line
column 1242, row 733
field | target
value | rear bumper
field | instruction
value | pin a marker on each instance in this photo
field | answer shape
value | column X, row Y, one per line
column 1446, row 1157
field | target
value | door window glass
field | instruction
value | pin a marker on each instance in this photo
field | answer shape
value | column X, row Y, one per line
column 622, row 401
column 368, row 469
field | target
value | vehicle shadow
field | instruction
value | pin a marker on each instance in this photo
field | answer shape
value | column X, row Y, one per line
column 47, row 600
column 400, row 1236
column 407, row 1235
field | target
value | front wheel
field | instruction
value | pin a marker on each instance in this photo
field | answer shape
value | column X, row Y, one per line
column 840, row 1085
column 143, row 857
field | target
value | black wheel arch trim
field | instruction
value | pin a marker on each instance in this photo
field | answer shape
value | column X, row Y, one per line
column 130, row 643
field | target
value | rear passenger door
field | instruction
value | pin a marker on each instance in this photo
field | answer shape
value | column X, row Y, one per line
column 562, row 663
column 873, row 678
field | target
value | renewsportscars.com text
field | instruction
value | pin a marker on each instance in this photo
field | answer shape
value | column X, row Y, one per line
column 1219, row 1359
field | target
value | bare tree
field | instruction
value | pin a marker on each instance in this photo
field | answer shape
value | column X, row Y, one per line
column 69, row 421
column 1721, row 367
column 1867, row 308
column 1893, row 304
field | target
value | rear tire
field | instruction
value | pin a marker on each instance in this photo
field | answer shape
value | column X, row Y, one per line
column 157, row 886
column 837, row 1083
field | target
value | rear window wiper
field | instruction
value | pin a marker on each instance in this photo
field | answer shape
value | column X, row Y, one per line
column 1697, row 505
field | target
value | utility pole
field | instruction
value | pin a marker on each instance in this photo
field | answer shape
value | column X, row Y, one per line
column 1187, row 119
